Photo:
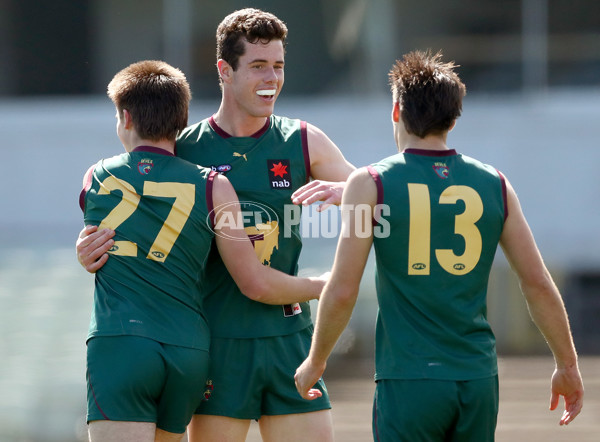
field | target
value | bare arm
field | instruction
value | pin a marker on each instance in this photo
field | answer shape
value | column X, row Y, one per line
column 545, row 307
column 256, row 281
column 329, row 169
column 340, row 293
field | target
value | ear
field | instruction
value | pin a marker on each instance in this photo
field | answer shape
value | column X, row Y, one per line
column 452, row 125
column 396, row 112
column 127, row 120
column 224, row 69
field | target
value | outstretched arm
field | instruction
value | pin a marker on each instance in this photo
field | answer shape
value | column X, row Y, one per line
column 340, row 293
column 329, row 169
column 545, row 307
column 255, row 280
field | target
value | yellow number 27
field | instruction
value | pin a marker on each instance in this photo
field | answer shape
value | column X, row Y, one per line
column 184, row 197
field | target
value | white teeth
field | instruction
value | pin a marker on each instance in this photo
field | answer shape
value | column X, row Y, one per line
column 266, row 92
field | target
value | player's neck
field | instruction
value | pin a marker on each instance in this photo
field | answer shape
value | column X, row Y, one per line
column 430, row 142
column 238, row 123
column 168, row 145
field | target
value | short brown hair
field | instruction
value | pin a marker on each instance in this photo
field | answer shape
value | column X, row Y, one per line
column 429, row 91
column 252, row 25
column 157, row 96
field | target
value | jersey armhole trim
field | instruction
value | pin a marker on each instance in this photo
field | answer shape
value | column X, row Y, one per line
column 304, row 136
column 87, row 184
column 377, row 178
column 504, row 196
column 209, row 197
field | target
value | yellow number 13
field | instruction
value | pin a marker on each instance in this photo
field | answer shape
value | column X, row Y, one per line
column 419, row 243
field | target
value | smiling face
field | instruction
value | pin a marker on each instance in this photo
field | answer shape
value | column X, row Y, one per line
column 255, row 85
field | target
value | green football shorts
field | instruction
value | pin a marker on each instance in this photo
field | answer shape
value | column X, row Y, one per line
column 136, row 379
column 419, row 410
column 255, row 377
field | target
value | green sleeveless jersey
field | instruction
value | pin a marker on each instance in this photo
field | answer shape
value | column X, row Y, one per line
column 158, row 206
column 434, row 252
column 264, row 169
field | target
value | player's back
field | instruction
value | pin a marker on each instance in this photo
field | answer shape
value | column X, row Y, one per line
column 446, row 217
column 157, row 205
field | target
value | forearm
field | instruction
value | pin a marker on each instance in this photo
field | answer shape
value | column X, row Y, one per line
column 549, row 315
column 333, row 315
column 277, row 288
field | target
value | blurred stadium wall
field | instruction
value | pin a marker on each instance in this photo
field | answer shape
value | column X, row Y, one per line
column 531, row 69
column 546, row 145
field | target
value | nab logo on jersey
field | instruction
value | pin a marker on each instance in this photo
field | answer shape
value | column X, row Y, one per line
column 280, row 175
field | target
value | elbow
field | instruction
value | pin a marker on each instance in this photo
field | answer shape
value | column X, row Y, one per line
column 254, row 289
column 347, row 299
column 539, row 287
column 541, row 280
column 344, row 296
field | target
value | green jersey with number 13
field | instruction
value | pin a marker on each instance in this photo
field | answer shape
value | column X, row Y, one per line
column 446, row 214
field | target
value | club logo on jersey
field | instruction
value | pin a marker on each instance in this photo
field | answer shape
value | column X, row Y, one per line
column 280, row 175
column 145, row 166
column 222, row 169
column 441, row 170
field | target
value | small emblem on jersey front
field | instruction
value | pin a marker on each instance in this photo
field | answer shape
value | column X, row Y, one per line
column 441, row 170
column 222, row 169
column 280, row 176
column 291, row 310
column 241, row 155
column 145, row 166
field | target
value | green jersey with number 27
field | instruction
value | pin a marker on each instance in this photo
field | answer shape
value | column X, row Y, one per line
column 158, row 206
